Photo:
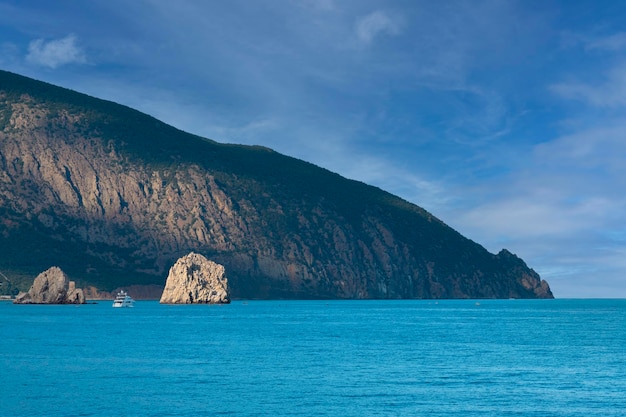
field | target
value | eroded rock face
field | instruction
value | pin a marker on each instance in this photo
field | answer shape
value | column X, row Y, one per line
column 196, row 280
column 51, row 287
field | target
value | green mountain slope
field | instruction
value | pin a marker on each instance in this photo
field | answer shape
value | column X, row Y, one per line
column 114, row 197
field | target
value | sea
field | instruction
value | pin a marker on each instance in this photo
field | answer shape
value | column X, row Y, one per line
column 316, row 358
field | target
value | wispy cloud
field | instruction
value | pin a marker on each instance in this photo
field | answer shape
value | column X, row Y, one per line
column 600, row 81
column 595, row 43
column 614, row 42
column 608, row 92
column 525, row 216
column 593, row 152
column 376, row 24
column 56, row 52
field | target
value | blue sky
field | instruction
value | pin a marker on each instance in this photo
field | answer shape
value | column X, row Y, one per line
column 505, row 119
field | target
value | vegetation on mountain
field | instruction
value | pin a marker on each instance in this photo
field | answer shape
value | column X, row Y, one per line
column 114, row 197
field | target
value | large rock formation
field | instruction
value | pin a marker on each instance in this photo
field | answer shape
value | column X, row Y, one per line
column 196, row 280
column 51, row 287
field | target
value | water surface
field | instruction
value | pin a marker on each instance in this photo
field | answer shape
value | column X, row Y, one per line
column 316, row 358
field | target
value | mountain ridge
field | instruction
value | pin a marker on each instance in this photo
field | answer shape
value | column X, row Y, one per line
column 115, row 197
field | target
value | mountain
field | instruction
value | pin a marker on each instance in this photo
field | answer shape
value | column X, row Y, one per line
column 114, row 197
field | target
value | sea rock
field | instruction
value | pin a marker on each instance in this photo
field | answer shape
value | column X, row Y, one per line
column 51, row 287
column 196, row 280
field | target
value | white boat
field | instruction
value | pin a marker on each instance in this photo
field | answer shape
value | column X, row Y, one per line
column 123, row 300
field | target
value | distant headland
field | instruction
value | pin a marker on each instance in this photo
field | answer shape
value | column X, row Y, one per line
column 114, row 197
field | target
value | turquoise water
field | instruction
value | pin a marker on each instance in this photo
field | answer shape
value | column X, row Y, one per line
column 316, row 358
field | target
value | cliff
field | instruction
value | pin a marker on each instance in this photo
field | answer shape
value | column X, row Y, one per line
column 115, row 197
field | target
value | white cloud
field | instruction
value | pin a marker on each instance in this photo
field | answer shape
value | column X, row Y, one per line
column 375, row 24
column 601, row 148
column 603, row 86
column 615, row 42
column 609, row 93
column 527, row 216
column 56, row 52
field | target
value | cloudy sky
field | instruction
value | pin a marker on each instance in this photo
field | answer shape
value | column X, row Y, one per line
column 505, row 119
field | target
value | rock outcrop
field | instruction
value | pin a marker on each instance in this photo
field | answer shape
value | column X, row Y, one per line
column 196, row 280
column 51, row 287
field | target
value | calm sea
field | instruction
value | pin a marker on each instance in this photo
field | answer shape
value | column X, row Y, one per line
column 316, row 358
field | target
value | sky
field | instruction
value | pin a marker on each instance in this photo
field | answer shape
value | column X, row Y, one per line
column 504, row 119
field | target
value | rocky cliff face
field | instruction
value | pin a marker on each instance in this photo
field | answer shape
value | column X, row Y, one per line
column 116, row 196
column 196, row 280
column 51, row 287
